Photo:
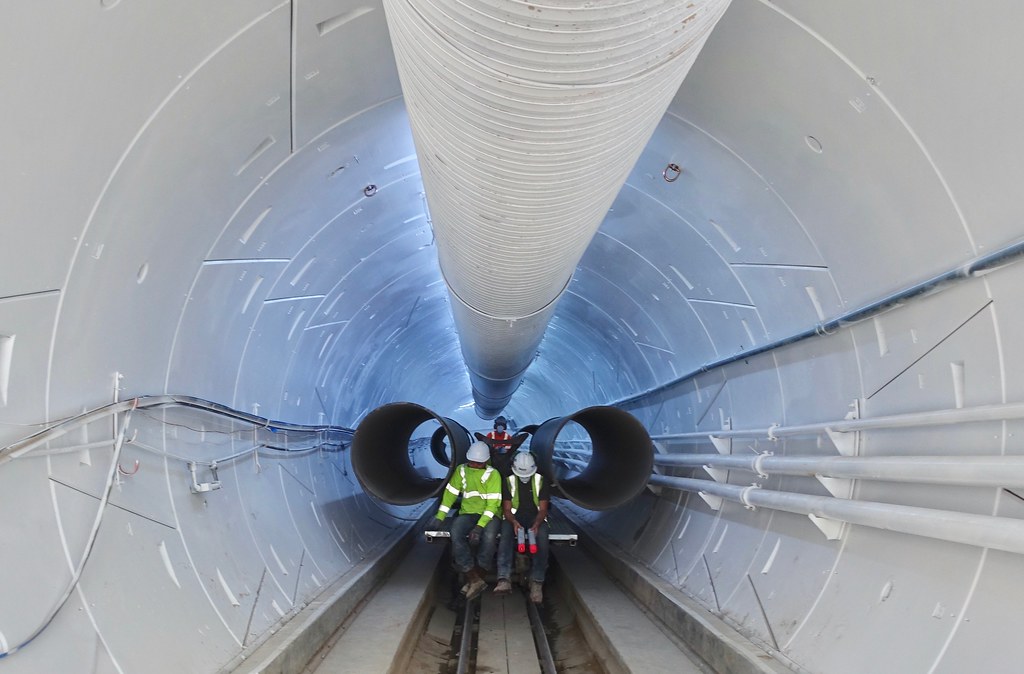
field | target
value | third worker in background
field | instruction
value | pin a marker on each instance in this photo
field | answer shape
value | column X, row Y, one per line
column 524, row 501
column 500, row 441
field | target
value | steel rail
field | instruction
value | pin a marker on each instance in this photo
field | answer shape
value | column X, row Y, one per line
column 466, row 643
column 540, row 638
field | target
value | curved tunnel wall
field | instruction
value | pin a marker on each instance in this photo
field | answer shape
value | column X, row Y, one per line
column 214, row 235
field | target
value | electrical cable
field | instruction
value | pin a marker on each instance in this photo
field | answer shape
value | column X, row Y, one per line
column 38, row 423
column 59, row 428
column 157, row 419
column 62, row 427
column 91, row 541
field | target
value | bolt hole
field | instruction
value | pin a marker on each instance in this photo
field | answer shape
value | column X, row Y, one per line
column 370, row 190
column 813, row 143
column 671, row 173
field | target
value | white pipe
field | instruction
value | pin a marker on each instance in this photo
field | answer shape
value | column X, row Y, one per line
column 527, row 119
column 727, row 491
column 715, row 460
column 919, row 419
column 973, row 471
column 986, row 531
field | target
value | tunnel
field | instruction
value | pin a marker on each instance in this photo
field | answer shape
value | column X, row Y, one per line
column 222, row 253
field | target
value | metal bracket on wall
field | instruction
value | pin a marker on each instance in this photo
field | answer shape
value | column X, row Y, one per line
column 718, row 474
column 714, row 502
column 202, row 487
column 832, row 529
column 837, row 486
column 659, row 448
column 847, row 442
column 723, row 445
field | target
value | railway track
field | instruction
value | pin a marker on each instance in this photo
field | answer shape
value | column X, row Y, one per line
column 416, row 622
column 495, row 638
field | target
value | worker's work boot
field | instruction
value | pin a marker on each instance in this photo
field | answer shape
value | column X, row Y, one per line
column 503, row 586
column 475, row 586
column 468, row 576
column 536, row 592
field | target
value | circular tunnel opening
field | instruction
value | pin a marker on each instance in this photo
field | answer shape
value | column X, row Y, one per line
column 620, row 460
column 439, row 446
column 572, row 451
column 384, row 449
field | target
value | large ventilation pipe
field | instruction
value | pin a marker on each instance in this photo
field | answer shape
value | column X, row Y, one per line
column 380, row 453
column 527, row 119
column 621, row 460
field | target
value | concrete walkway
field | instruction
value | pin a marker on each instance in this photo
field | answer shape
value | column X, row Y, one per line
column 622, row 635
column 382, row 635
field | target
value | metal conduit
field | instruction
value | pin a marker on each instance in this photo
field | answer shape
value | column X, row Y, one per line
column 918, row 419
column 969, row 471
column 986, row 531
column 971, row 268
column 527, row 119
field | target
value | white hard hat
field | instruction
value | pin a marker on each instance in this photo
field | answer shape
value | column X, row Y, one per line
column 479, row 452
column 524, row 465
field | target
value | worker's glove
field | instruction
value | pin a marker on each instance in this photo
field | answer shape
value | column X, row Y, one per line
column 474, row 535
column 433, row 524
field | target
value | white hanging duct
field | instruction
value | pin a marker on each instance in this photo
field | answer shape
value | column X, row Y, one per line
column 527, row 119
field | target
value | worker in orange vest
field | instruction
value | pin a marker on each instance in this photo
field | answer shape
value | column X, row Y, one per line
column 500, row 442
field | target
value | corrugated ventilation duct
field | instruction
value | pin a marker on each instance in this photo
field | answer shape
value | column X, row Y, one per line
column 527, row 118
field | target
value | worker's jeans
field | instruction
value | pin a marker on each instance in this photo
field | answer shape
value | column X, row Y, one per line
column 507, row 546
column 463, row 554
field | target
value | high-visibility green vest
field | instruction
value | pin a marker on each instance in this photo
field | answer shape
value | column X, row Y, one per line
column 513, row 488
column 481, row 493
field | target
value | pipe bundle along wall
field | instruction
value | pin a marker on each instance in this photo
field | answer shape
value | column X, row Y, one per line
column 527, row 120
column 987, row 531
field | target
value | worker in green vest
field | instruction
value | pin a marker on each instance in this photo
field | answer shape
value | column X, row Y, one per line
column 475, row 528
column 525, row 499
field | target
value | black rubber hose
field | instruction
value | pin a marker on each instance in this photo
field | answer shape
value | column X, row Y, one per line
column 622, row 457
column 380, row 453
